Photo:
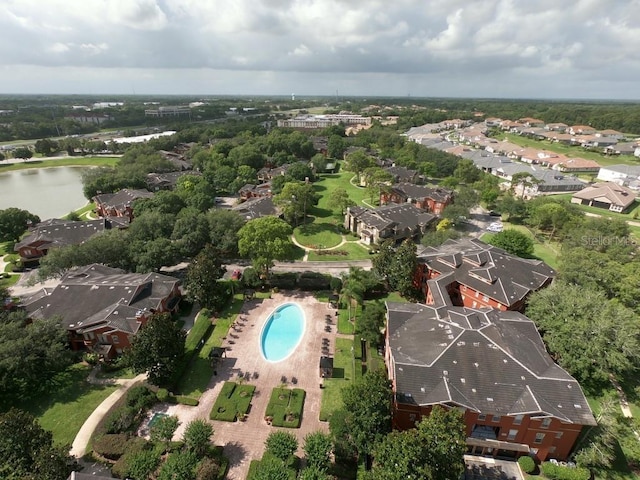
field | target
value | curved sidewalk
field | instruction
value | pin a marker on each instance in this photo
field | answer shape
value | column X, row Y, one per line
column 80, row 443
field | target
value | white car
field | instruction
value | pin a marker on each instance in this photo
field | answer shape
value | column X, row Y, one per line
column 495, row 227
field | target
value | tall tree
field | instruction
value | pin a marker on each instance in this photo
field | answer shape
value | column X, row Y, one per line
column 23, row 153
column 202, row 278
column 295, row 199
column 368, row 403
column 317, row 450
column 513, row 241
column 281, row 445
column 27, row 451
column 223, row 230
column 14, row 222
column 197, row 437
column 264, row 240
column 339, row 199
column 157, row 349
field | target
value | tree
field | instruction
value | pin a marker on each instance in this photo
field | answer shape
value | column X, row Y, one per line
column 164, row 428
column 403, row 269
column 317, row 449
column 433, row 450
column 549, row 216
column 467, row 172
column 335, row 146
column 295, row 199
column 376, row 179
column 157, row 349
column 202, row 278
column 513, row 207
column 312, row 473
column 271, row 468
column 319, row 162
column 368, row 403
column 523, row 180
column 513, row 241
column 371, row 321
column 197, row 437
column 27, row 451
column 223, row 230
column 592, row 337
column 23, row 153
column 14, row 222
column 178, row 466
column 264, row 240
column 46, row 147
column 281, row 445
column 339, row 199
column 358, row 161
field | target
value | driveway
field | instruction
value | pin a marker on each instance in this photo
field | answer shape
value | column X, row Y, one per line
column 486, row 468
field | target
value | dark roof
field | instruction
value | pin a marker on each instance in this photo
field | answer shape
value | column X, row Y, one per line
column 63, row 233
column 326, row 362
column 487, row 269
column 401, row 173
column 400, row 217
column 410, row 190
column 166, row 180
column 98, row 295
column 256, row 208
column 487, row 360
column 122, row 199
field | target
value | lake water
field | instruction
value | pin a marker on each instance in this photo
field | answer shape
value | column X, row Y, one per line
column 46, row 192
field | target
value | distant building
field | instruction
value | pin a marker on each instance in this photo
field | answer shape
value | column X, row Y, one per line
column 608, row 195
column 323, row 121
column 168, row 111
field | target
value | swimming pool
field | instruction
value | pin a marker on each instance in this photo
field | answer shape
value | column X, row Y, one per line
column 282, row 332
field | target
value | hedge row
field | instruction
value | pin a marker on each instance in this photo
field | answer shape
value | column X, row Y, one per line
column 164, row 395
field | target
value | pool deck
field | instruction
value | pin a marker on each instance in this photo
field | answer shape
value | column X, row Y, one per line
column 244, row 441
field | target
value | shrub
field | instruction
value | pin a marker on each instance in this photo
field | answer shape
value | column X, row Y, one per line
column 140, row 398
column 183, row 400
column 111, row 446
column 281, row 444
column 162, row 395
column 91, row 358
column 208, row 469
column 133, row 447
column 559, row 472
column 314, row 281
column 527, row 464
column 121, row 419
column 336, row 284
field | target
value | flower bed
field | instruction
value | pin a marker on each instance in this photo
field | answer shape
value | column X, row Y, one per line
column 285, row 407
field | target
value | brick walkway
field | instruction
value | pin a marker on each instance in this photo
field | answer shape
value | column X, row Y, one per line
column 244, row 441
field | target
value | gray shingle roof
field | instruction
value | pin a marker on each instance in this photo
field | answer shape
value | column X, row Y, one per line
column 63, row 233
column 485, row 360
column 412, row 190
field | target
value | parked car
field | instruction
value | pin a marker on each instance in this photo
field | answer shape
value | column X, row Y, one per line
column 495, row 227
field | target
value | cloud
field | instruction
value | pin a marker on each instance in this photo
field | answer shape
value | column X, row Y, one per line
column 403, row 39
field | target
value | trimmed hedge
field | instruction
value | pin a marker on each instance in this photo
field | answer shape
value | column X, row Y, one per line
column 111, row 446
column 234, row 400
column 527, row 464
column 285, row 407
column 560, row 472
column 133, row 447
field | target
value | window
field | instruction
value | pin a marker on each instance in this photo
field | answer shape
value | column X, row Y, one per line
column 518, row 419
column 558, row 434
column 513, row 433
column 545, row 423
column 102, row 338
column 482, row 416
column 552, row 449
column 115, row 339
column 539, row 438
column 495, row 418
column 485, row 298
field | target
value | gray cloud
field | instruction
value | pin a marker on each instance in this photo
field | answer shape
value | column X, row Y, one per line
column 484, row 42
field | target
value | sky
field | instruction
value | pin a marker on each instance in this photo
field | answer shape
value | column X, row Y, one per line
column 585, row 49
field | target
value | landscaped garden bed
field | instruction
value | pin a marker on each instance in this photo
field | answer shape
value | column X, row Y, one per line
column 285, row 407
column 233, row 402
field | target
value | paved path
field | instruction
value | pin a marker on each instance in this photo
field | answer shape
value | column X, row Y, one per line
column 80, row 443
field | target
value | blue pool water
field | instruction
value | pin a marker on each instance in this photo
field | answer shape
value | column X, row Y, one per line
column 282, row 332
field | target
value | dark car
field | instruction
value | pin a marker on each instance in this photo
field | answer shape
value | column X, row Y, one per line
column 493, row 213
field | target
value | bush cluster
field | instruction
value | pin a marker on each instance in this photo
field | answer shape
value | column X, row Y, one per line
column 111, row 446
column 527, row 464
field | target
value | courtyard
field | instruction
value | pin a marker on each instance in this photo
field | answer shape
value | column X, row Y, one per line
column 243, row 441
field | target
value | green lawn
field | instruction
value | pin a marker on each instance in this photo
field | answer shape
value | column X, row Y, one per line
column 353, row 252
column 318, row 234
column 6, row 247
column 66, row 162
column 84, row 212
column 66, row 407
column 233, row 401
column 285, row 407
column 195, row 380
column 10, row 281
column 548, row 252
column 570, row 151
column 344, row 372
column 344, row 325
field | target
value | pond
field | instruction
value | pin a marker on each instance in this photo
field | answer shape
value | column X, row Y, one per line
column 46, row 192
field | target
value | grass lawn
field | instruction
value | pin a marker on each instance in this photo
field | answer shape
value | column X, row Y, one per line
column 570, row 151
column 65, row 162
column 318, row 235
column 233, row 401
column 354, row 252
column 85, row 212
column 547, row 252
column 285, row 407
column 196, row 378
column 10, row 281
column 344, row 325
column 344, row 372
column 6, row 247
column 69, row 404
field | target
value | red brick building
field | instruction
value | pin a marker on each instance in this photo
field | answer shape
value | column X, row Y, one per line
column 102, row 308
column 433, row 200
column 493, row 366
column 119, row 204
column 471, row 273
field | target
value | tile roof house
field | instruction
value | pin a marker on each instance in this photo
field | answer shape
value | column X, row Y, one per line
column 581, row 130
column 57, row 233
column 493, row 366
column 608, row 195
column 471, row 273
column 102, row 308
column 431, row 199
column 390, row 222
column 119, row 204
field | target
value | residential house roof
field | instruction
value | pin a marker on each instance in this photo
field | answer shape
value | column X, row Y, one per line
column 122, row 199
column 484, row 360
column 256, row 208
column 399, row 217
column 608, row 192
column 411, row 190
column 487, row 269
column 629, row 170
column 402, row 174
column 158, row 181
column 100, row 295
